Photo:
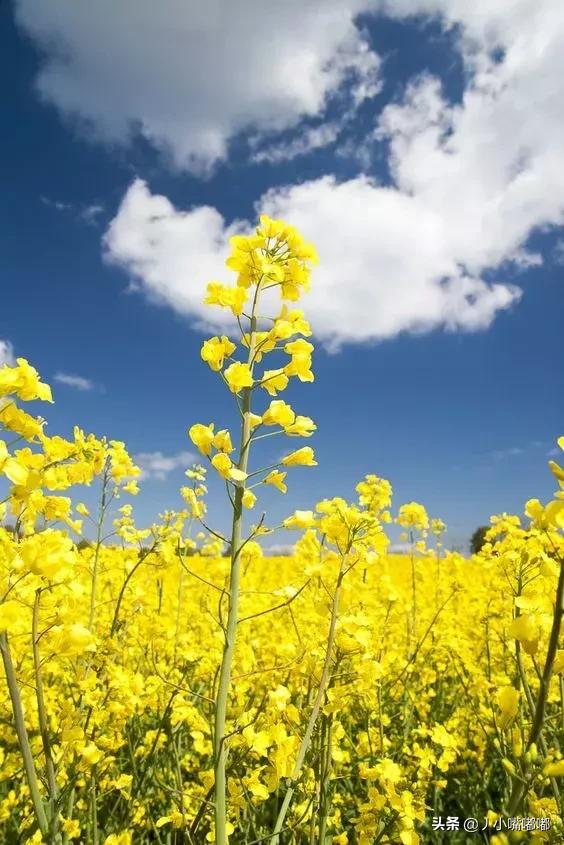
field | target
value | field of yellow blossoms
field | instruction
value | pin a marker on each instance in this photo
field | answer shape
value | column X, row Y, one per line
column 172, row 684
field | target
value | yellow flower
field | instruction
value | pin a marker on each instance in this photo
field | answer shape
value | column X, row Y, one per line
column 249, row 499
column 13, row 469
column 73, row 639
column 413, row 515
column 276, row 478
column 278, row 413
column 301, row 457
column 91, row 754
column 121, row 465
column 374, row 493
column 18, row 421
column 300, row 519
column 123, row 838
column 71, row 827
column 554, row 769
column 264, row 343
column 438, row 527
column 301, row 427
column 289, row 323
column 123, row 783
column 49, row 554
column 15, row 472
column 10, row 613
column 202, row 437
column 225, row 468
column 222, row 441
column 557, row 471
column 23, row 380
column 525, row 629
column 300, row 365
column 229, row 829
column 274, row 381
column 255, row 787
column 215, row 350
column 176, row 819
column 226, row 297
column 238, row 376
column 389, row 771
column 270, row 228
column 559, row 662
column 508, row 703
column 222, row 464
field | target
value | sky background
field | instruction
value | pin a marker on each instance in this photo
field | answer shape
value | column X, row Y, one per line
column 417, row 143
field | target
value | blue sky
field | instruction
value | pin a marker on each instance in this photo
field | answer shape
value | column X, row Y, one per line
column 406, row 139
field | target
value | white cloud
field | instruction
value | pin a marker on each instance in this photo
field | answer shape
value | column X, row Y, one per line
column 510, row 452
column 386, row 263
column 492, row 163
column 78, row 382
column 58, row 205
column 399, row 548
column 471, row 182
column 188, row 75
column 368, row 285
column 171, row 254
column 89, row 214
column 558, row 251
column 158, row 466
column 280, row 549
column 307, row 141
column 6, row 353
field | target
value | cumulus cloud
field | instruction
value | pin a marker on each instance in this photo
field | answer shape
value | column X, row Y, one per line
column 188, row 76
column 170, row 254
column 6, row 353
column 385, row 263
column 470, row 181
column 158, row 466
column 77, row 382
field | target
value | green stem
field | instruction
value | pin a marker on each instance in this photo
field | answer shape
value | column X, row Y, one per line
column 220, row 716
column 42, row 718
column 99, row 529
column 319, row 698
column 94, row 807
column 70, row 808
column 325, row 784
column 413, row 589
column 520, row 789
column 23, row 738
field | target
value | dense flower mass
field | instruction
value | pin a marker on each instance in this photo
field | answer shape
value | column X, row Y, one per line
column 172, row 684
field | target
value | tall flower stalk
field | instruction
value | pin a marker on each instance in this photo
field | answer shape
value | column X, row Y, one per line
column 274, row 257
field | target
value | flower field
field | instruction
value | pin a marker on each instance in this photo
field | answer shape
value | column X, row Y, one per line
column 174, row 684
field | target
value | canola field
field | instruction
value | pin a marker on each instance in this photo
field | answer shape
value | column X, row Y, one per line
column 173, row 684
